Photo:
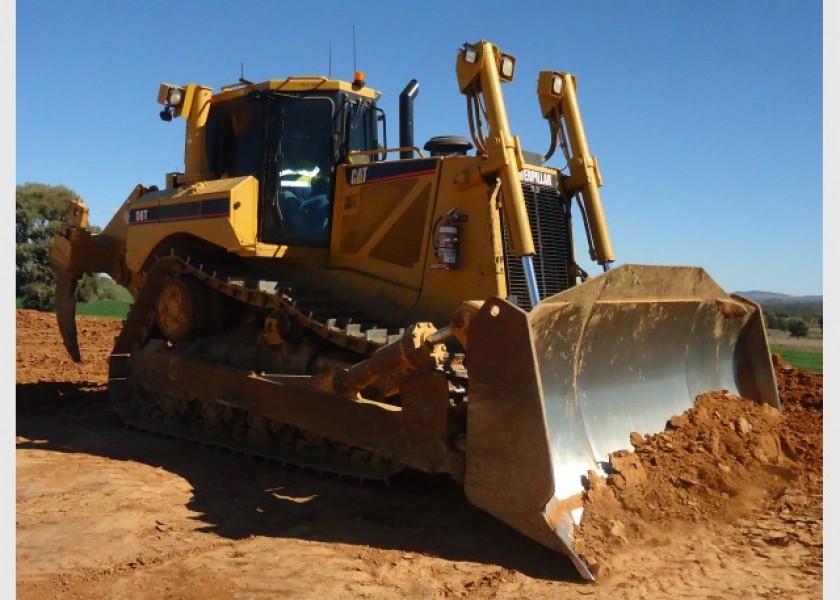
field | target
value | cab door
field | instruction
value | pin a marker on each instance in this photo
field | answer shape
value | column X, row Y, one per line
column 298, row 201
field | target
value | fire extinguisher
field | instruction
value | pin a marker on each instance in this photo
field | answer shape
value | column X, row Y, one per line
column 447, row 240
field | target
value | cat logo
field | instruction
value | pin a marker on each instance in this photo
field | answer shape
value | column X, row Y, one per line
column 358, row 176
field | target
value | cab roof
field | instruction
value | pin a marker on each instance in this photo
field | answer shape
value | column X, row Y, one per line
column 304, row 83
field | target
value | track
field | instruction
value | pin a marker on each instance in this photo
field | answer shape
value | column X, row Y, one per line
column 213, row 423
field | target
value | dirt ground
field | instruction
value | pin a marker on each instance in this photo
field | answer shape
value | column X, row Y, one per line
column 725, row 503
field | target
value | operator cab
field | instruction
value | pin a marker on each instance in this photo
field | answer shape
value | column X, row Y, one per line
column 290, row 135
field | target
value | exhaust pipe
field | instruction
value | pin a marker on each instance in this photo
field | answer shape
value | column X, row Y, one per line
column 407, row 117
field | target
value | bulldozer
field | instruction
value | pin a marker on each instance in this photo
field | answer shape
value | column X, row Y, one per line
column 306, row 293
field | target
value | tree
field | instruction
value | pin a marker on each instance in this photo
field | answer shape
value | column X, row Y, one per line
column 797, row 328
column 772, row 320
column 39, row 211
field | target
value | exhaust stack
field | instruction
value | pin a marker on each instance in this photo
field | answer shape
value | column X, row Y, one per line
column 407, row 117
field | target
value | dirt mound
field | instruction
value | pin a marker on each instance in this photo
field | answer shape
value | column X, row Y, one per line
column 723, row 459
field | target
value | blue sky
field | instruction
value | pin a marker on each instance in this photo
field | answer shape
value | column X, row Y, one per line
column 705, row 117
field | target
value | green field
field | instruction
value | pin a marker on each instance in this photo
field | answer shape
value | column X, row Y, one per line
column 117, row 309
column 112, row 309
column 807, row 361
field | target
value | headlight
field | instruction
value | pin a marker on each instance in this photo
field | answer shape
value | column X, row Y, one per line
column 508, row 64
column 174, row 96
column 557, row 85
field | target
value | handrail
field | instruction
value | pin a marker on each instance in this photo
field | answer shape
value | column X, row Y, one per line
column 355, row 153
column 307, row 77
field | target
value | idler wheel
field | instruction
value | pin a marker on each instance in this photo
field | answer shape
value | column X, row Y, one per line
column 180, row 307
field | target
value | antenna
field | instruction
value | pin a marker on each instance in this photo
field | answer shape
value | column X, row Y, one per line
column 242, row 74
column 330, row 69
column 354, row 47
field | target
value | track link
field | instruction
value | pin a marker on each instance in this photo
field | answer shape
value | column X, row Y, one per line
column 216, row 425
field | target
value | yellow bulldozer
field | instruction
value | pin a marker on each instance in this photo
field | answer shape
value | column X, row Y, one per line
column 306, row 293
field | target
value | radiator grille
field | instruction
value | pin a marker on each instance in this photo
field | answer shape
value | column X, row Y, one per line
column 550, row 217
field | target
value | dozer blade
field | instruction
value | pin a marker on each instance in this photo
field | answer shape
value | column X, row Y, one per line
column 65, row 312
column 555, row 391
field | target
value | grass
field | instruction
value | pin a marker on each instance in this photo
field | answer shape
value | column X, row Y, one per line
column 112, row 309
column 116, row 309
column 807, row 361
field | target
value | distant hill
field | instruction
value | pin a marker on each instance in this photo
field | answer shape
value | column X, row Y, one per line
column 772, row 298
column 782, row 306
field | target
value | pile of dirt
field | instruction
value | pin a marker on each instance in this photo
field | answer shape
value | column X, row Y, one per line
column 721, row 460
